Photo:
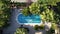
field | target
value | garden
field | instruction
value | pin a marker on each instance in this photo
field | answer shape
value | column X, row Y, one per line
column 49, row 10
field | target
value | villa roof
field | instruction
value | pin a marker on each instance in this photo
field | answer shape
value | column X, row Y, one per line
column 24, row 0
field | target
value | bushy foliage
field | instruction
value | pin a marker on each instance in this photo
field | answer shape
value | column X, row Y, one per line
column 25, row 11
column 1, row 23
column 21, row 31
column 47, row 15
column 49, row 2
column 4, row 14
column 45, row 9
column 41, row 27
column 34, row 8
column 54, row 26
column 36, row 27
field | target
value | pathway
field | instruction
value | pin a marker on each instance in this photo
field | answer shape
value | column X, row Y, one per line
column 11, row 29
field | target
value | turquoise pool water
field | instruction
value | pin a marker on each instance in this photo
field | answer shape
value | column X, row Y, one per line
column 29, row 19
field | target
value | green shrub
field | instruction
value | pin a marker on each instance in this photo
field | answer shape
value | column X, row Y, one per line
column 21, row 31
column 41, row 26
column 35, row 8
column 25, row 11
column 54, row 26
column 36, row 27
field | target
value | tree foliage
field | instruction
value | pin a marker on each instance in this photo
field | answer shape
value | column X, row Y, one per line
column 45, row 8
column 1, row 23
column 34, row 8
column 54, row 26
column 41, row 27
column 25, row 11
column 21, row 31
column 49, row 2
column 47, row 15
column 4, row 13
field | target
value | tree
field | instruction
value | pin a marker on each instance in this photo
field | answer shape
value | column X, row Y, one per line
column 49, row 16
column 4, row 15
column 58, row 14
column 54, row 26
column 25, row 11
column 1, row 23
column 36, row 27
column 34, row 8
column 41, row 27
column 41, row 8
column 49, row 2
column 7, row 2
column 21, row 31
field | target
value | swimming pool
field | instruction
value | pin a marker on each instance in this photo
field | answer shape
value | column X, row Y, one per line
column 28, row 19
